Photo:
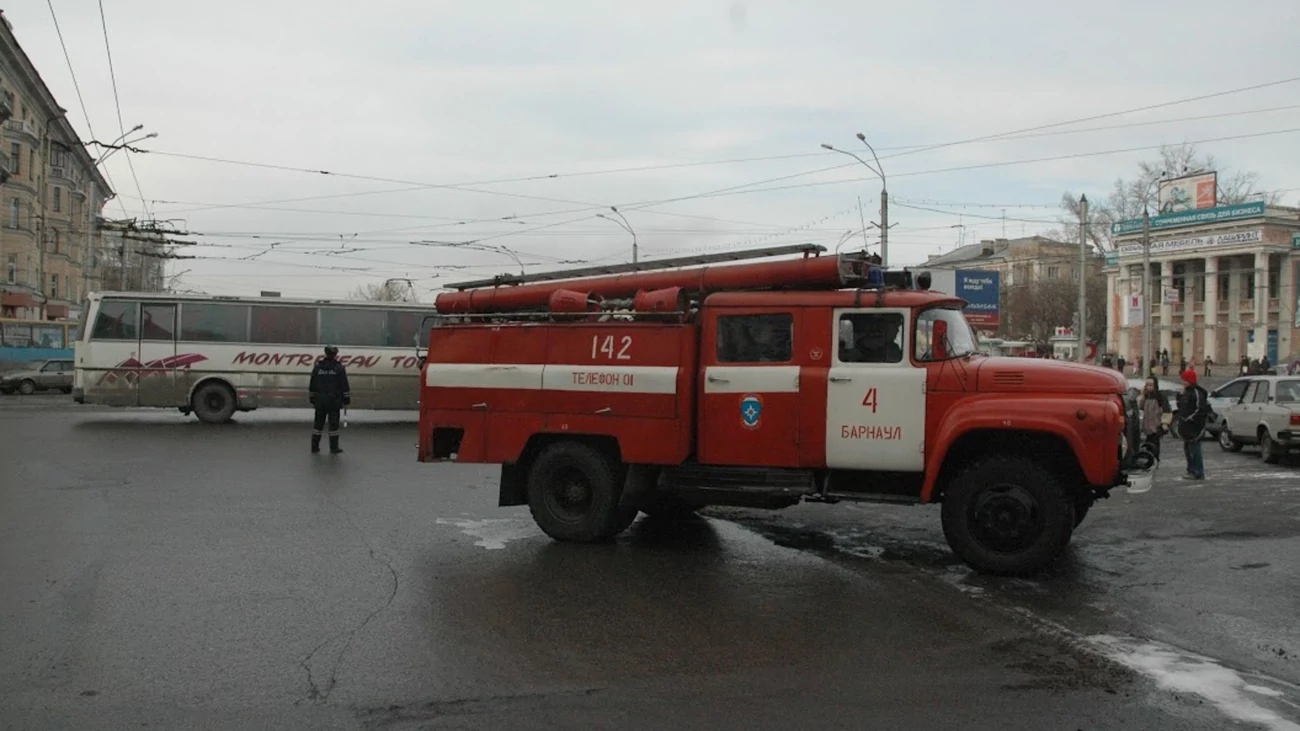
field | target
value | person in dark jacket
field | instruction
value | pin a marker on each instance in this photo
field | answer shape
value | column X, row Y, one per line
column 329, row 393
column 1193, row 413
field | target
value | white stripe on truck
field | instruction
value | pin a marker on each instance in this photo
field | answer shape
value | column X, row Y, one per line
column 554, row 377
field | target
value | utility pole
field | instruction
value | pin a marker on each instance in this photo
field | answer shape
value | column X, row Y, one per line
column 863, row 220
column 884, row 223
column 1146, row 292
column 1083, row 271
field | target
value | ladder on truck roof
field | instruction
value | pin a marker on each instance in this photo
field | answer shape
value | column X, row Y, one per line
column 682, row 261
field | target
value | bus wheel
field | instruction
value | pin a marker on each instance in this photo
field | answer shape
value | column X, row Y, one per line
column 1007, row 515
column 573, row 493
column 213, row 403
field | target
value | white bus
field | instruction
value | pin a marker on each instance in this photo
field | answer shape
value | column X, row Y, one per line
column 214, row 356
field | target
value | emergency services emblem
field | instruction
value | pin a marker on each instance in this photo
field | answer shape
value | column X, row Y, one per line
column 751, row 410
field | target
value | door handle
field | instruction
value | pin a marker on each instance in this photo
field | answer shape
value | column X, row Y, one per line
column 839, row 379
column 718, row 379
column 605, row 410
column 479, row 406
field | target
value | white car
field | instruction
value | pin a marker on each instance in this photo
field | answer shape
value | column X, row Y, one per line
column 1267, row 414
column 1224, row 397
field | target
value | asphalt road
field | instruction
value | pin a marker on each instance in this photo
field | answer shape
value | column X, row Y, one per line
column 161, row 573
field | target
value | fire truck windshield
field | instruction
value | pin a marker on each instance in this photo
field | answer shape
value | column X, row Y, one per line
column 956, row 338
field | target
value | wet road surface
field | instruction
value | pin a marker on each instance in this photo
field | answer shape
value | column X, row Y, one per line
column 159, row 572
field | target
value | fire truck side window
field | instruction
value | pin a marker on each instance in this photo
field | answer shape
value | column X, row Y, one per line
column 756, row 338
column 875, row 337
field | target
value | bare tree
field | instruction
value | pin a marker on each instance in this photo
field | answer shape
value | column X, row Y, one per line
column 1034, row 310
column 390, row 290
column 1129, row 197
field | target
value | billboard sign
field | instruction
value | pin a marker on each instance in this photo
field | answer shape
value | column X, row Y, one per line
column 1195, row 242
column 1134, row 310
column 981, row 289
column 1191, row 218
column 1189, row 193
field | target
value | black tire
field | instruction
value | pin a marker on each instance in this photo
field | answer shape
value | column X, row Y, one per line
column 213, row 403
column 66, row 389
column 27, row 387
column 1008, row 516
column 573, row 493
column 1226, row 442
column 1268, row 449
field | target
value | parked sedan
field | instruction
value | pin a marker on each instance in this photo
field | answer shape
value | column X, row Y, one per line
column 1222, row 398
column 50, row 375
column 1267, row 414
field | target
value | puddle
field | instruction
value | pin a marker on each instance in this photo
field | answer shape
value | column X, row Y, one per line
column 494, row 533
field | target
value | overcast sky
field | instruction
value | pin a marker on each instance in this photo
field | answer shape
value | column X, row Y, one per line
column 482, row 94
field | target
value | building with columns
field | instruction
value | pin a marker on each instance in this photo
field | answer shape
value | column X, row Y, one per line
column 1223, row 284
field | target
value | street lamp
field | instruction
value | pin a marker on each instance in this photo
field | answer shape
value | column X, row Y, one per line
column 1146, row 278
column 114, row 146
column 622, row 221
column 879, row 170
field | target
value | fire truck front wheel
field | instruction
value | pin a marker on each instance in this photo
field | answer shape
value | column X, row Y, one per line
column 1007, row 515
column 573, row 493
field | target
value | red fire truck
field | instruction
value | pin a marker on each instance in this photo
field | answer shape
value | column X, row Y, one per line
column 662, row 389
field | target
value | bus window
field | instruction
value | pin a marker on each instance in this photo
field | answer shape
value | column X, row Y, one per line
column 15, row 335
column 284, row 325
column 158, row 322
column 352, row 327
column 116, row 320
column 209, row 323
column 403, row 326
column 47, row 336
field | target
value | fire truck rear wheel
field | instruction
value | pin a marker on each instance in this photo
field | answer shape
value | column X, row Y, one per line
column 1007, row 515
column 573, row 493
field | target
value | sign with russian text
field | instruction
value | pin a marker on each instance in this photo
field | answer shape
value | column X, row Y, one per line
column 1195, row 242
column 981, row 289
column 1134, row 309
column 1191, row 218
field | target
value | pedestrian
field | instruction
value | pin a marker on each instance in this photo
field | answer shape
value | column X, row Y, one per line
column 1193, row 412
column 1182, row 364
column 329, row 393
column 1164, row 362
column 1154, row 407
column 1209, row 363
column 1121, row 364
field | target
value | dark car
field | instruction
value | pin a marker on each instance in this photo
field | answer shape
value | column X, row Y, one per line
column 48, row 376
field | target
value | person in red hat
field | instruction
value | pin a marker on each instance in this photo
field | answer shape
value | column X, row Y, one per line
column 1193, row 413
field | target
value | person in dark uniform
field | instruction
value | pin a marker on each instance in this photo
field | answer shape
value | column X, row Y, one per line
column 329, row 393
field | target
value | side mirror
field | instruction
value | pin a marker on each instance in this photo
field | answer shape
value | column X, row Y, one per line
column 939, row 340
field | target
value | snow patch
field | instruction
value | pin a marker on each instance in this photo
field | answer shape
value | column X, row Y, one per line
column 1184, row 672
column 493, row 534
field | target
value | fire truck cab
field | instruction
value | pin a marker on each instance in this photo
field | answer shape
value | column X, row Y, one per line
column 762, row 385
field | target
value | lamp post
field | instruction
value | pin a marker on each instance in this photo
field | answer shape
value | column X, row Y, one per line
column 1083, row 270
column 884, row 193
column 1146, row 278
column 622, row 221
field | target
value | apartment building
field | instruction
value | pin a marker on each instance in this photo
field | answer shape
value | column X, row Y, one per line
column 51, row 197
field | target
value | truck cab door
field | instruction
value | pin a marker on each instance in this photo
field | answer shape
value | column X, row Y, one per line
column 875, row 396
column 749, row 390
